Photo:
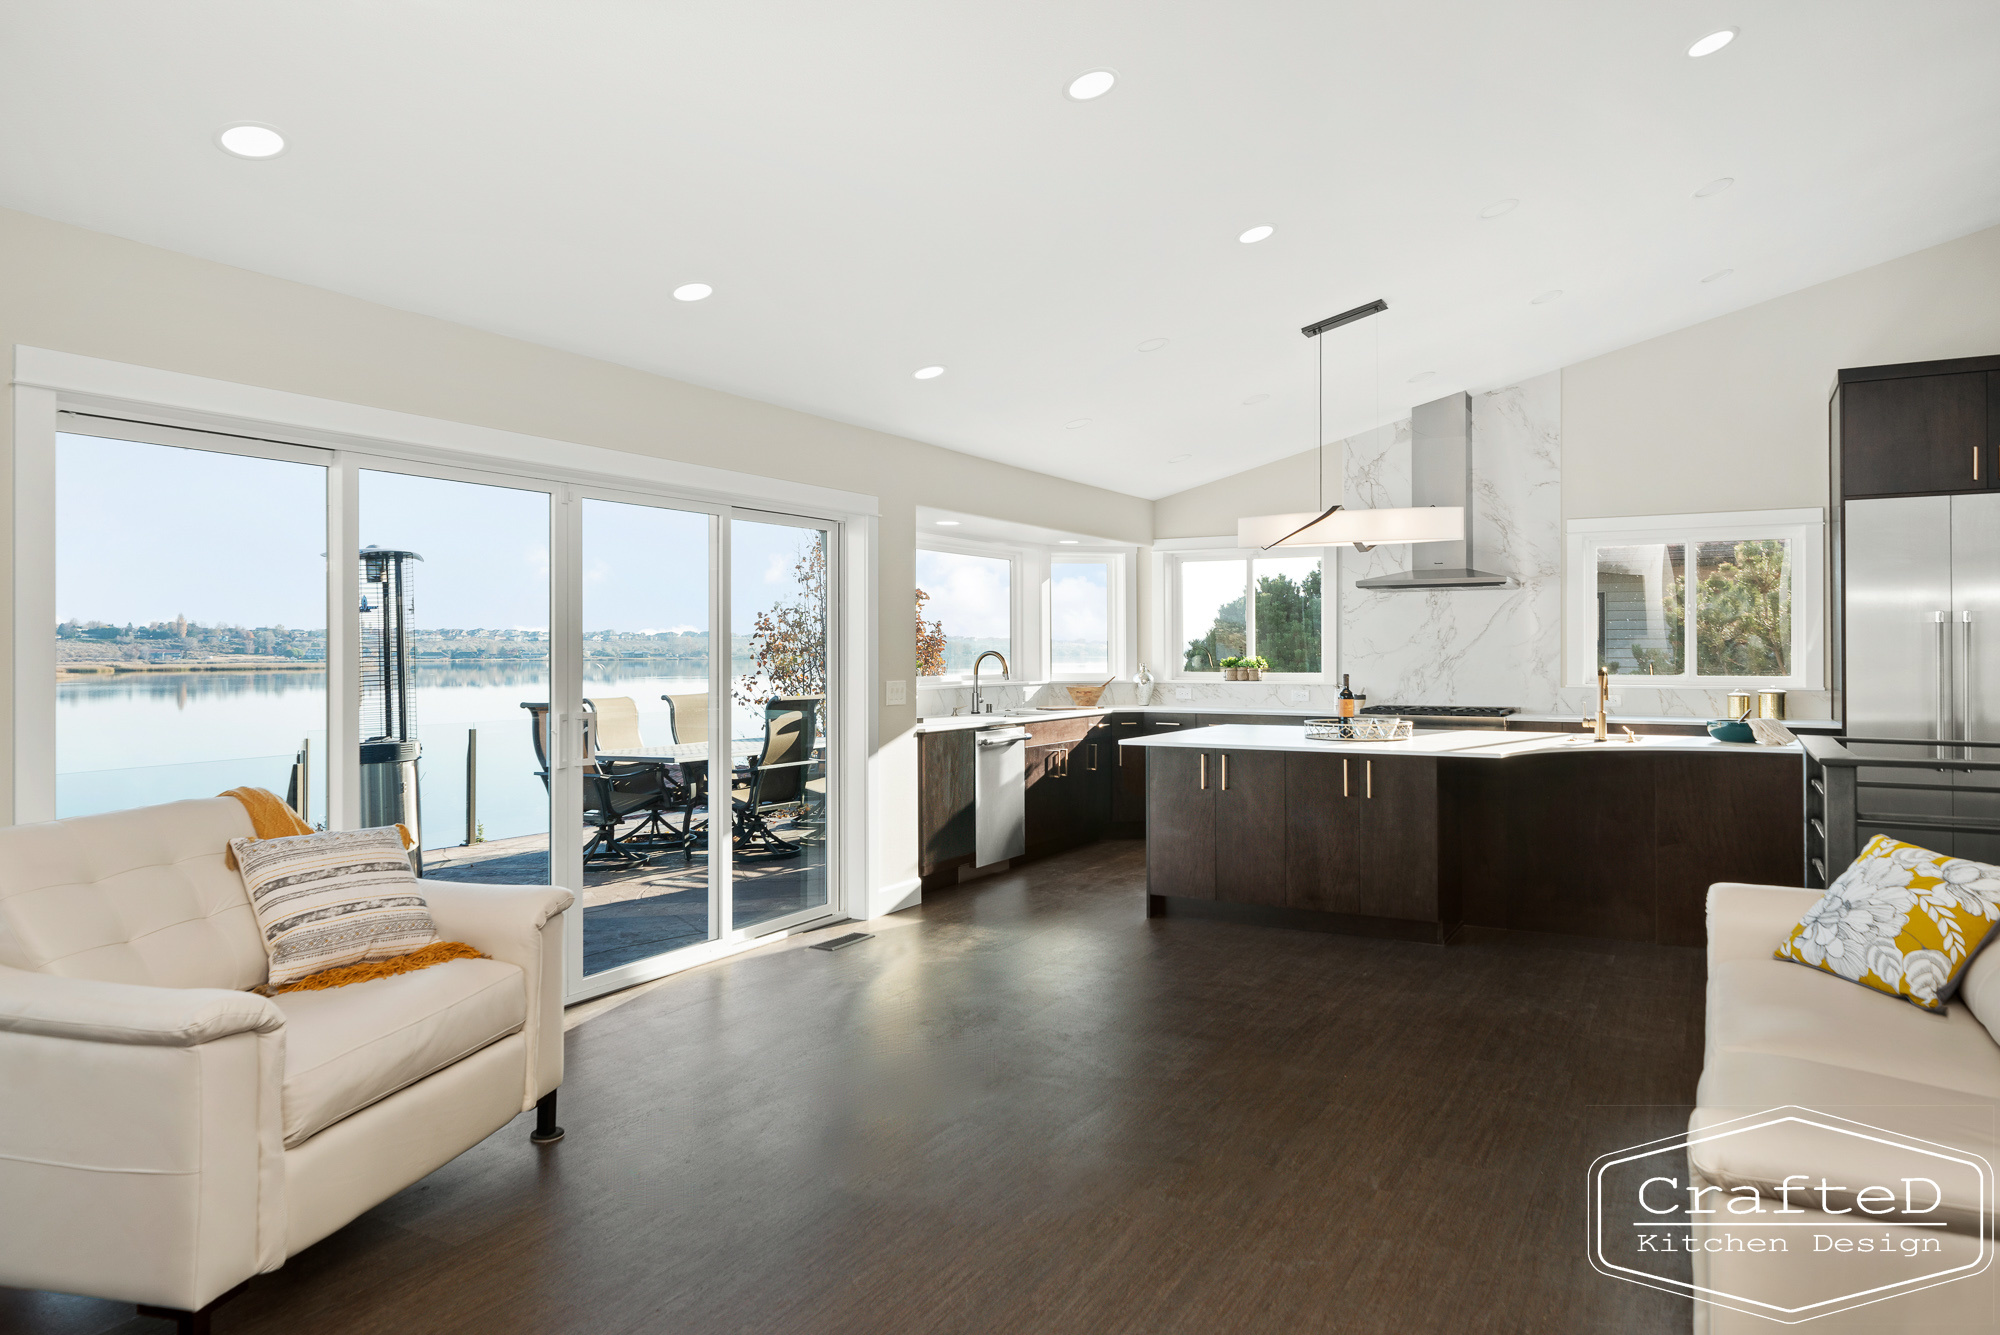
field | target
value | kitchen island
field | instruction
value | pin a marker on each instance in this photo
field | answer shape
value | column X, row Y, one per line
column 1526, row 830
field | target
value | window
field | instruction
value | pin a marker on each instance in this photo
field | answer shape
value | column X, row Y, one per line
column 1081, row 596
column 1248, row 606
column 965, row 606
column 1698, row 600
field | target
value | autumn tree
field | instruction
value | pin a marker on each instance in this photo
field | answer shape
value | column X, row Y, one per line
column 790, row 640
column 930, row 641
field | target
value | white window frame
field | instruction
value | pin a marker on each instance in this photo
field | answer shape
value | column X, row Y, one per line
column 1024, row 648
column 1171, row 555
column 1806, row 531
column 351, row 437
column 1120, row 617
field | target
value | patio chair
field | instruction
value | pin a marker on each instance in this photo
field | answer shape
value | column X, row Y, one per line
column 778, row 777
column 612, row 795
column 614, row 727
column 687, row 718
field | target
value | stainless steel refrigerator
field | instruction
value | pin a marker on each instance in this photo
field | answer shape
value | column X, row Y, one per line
column 1920, row 596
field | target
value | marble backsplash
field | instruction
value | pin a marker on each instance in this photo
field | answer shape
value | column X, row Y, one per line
column 1466, row 646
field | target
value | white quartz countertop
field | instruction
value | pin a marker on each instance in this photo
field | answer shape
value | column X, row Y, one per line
column 947, row 723
column 1466, row 743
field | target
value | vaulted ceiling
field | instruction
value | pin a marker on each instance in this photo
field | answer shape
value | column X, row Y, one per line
column 882, row 185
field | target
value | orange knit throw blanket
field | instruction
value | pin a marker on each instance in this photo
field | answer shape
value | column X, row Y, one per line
column 441, row 952
column 272, row 818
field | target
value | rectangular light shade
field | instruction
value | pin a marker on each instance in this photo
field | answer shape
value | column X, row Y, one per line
column 1428, row 523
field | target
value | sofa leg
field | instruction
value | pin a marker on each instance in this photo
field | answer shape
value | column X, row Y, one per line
column 546, row 1131
column 186, row 1322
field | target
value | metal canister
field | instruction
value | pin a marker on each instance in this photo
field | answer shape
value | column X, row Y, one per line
column 1770, row 704
column 1739, row 704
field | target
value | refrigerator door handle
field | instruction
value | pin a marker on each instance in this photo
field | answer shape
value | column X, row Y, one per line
column 1940, row 725
column 1964, row 667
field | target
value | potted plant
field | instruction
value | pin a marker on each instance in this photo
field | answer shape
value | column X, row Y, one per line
column 1232, row 669
column 1253, row 668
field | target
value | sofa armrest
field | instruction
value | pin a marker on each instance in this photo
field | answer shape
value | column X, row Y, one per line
column 92, row 1011
column 141, row 1134
column 1746, row 922
column 523, row 926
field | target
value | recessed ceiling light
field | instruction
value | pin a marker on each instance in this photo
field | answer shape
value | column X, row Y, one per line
column 1718, row 274
column 1546, row 297
column 1255, row 234
column 1180, row 458
column 1068, row 542
column 1081, row 421
column 1499, row 207
column 1097, row 83
column 1422, row 376
column 1153, row 345
column 1715, row 187
column 251, row 141
column 692, row 291
column 1712, row 43
column 947, row 523
column 930, row 373
column 1255, row 399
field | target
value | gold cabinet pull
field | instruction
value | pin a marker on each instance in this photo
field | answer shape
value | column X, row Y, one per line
column 1204, row 769
column 1343, row 777
column 1371, row 777
column 1225, row 771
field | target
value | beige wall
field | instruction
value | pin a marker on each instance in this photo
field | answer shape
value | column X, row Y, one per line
column 1730, row 414
column 76, row 291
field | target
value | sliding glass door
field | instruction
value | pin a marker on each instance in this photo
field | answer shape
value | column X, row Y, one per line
column 629, row 695
column 782, row 719
column 454, row 672
column 190, row 648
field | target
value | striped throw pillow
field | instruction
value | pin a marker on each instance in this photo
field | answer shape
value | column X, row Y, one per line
column 325, row 900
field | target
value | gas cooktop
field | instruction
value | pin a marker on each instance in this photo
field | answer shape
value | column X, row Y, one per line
column 1443, row 711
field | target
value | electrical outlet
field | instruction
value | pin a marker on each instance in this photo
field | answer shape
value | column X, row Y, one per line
column 899, row 692
column 1300, row 695
column 1183, row 693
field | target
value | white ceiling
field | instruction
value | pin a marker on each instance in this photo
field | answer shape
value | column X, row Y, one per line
column 875, row 186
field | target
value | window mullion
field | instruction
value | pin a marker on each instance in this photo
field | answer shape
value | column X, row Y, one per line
column 1250, row 607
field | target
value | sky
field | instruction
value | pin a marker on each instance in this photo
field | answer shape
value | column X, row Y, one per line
column 147, row 532
column 969, row 595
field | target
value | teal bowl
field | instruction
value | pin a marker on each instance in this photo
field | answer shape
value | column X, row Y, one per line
column 1730, row 730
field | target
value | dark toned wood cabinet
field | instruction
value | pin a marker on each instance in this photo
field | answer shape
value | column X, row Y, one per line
column 1128, row 773
column 1362, row 836
column 1323, row 857
column 1920, row 429
column 1249, row 826
column 1048, row 806
column 946, row 832
column 1180, row 825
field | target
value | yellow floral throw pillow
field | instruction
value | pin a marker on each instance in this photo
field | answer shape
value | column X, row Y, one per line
column 1902, row 920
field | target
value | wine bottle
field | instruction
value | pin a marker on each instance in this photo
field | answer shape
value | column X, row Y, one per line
column 1346, row 697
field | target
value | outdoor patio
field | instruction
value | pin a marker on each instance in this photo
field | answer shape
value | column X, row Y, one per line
column 637, row 911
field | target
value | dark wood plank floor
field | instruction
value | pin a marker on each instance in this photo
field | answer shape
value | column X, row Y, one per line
column 1027, row 1108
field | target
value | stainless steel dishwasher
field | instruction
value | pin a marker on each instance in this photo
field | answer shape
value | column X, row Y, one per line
column 998, row 795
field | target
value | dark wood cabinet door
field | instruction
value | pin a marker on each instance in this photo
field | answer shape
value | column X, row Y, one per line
column 1915, row 435
column 1322, row 832
column 1046, row 806
column 1128, row 772
column 1249, row 826
column 1180, row 823
column 1399, row 838
column 1089, row 772
column 946, row 833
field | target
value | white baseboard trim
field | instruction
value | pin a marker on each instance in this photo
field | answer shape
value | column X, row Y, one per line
column 897, row 896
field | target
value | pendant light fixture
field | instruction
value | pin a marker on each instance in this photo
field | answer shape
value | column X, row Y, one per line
column 1332, row 525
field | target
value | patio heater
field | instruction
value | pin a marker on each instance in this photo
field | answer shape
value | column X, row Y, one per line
column 389, row 745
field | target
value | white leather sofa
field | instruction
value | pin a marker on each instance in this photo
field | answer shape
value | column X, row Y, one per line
column 166, row 1134
column 1780, row 1034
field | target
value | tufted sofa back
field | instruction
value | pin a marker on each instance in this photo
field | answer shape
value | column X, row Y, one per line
column 137, row 896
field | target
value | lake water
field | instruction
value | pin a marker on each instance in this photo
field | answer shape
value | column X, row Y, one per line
column 138, row 738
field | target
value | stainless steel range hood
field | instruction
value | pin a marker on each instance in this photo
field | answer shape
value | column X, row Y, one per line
column 1441, row 474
